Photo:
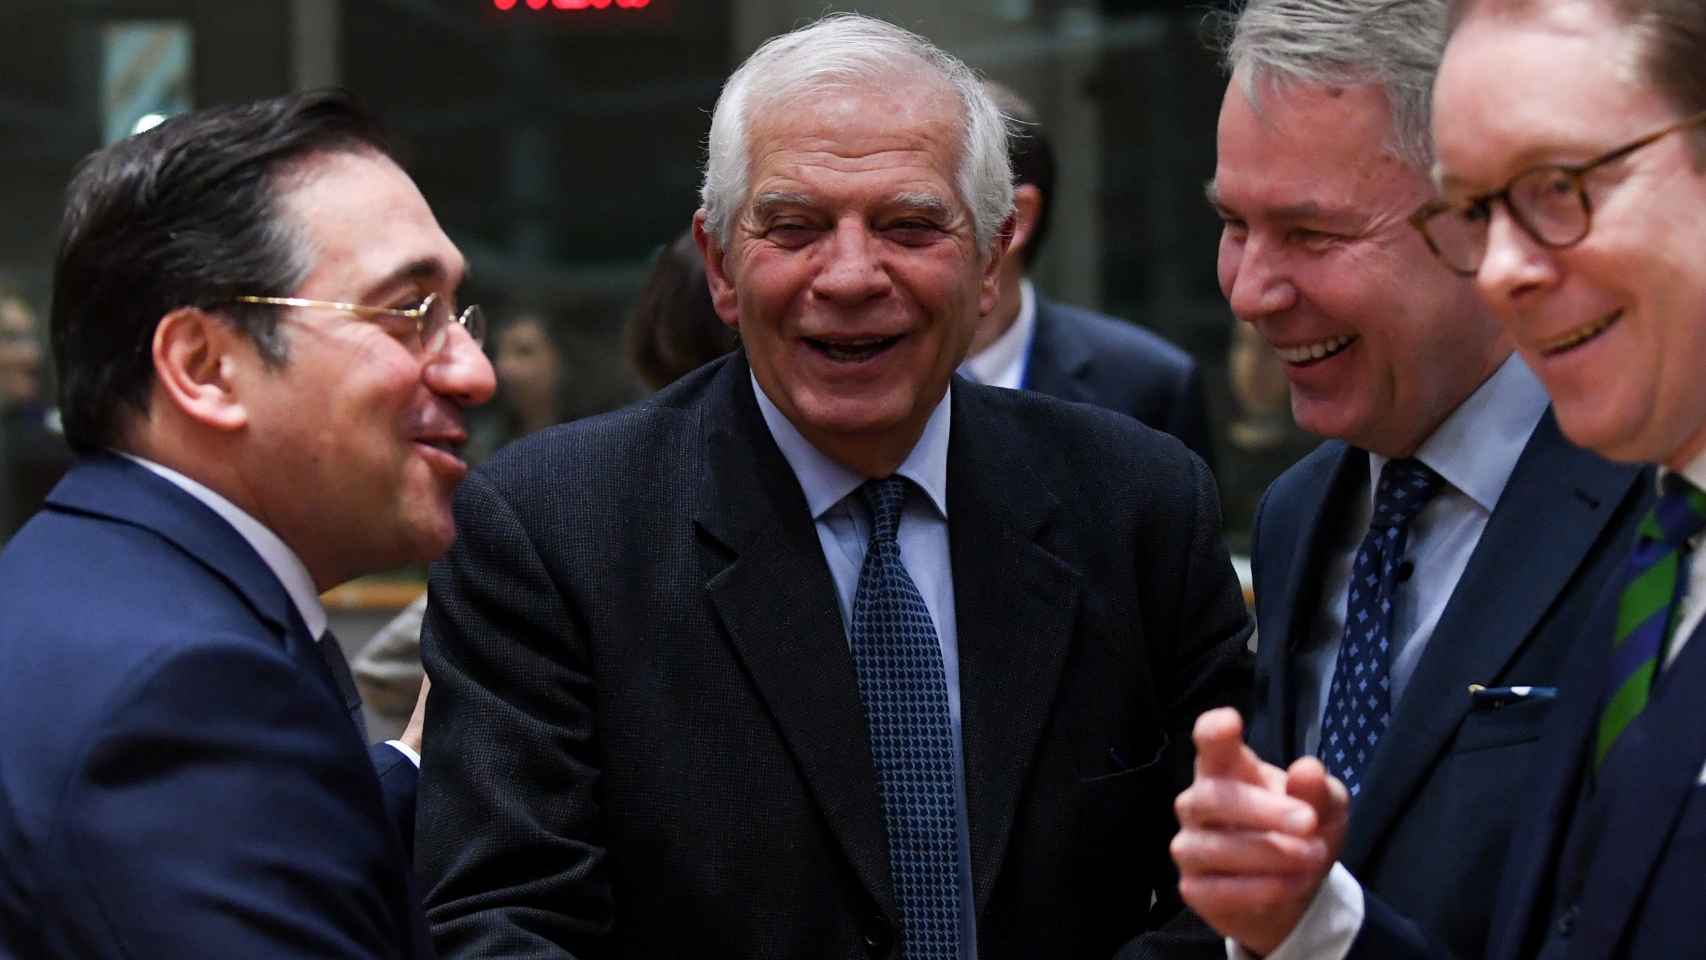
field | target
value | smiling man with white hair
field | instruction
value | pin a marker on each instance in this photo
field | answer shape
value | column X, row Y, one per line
column 822, row 652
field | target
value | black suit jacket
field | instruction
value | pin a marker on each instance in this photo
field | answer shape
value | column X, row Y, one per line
column 1088, row 357
column 646, row 733
column 178, row 775
column 1430, row 832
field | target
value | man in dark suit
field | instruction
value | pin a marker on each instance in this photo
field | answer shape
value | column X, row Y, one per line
column 1422, row 578
column 263, row 375
column 1029, row 341
column 821, row 652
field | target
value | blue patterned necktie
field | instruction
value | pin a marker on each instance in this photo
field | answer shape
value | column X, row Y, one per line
column 905, row 693
column 1359, row 701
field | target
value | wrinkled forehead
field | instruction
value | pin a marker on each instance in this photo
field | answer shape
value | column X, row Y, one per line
column 900, row 103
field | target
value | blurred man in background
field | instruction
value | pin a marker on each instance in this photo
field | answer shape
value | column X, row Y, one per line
column 33, row 454
column 1029, row 341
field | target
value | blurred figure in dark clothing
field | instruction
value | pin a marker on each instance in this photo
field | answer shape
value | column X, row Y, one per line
column 33, row 454
column 673, row 327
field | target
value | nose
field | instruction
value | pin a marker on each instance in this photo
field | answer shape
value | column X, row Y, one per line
column 1515, row 266
column 852, row 269
column 461, row 371
column 1254, row 278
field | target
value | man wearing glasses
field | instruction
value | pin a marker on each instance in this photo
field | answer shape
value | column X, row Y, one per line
column 1421, row 577
column 1571, row 161
column 264, row 372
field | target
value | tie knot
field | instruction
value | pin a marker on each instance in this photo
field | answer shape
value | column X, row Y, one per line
column 1405, row 488
column 885, row 497
column 1680, row 512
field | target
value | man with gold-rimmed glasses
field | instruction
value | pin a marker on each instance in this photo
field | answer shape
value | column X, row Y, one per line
column 264, row 370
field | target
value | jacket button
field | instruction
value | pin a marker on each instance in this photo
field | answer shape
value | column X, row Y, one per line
column 1567, row 921
column 877, row 935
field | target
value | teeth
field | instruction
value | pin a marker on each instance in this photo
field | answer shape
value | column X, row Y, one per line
column 1579, row 335
column 1315, row 351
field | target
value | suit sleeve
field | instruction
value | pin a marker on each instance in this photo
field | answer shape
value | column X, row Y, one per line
column 399, row 779
column 222, row 809
column 510, row 747
column 1205, row 663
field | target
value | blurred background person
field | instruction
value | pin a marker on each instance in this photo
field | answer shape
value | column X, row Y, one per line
column 1034, row 343
column 33, row 453
column 673, row 328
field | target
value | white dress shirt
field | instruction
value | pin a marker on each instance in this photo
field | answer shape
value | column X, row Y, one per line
column 1004, row 361
column 1475, row 451
column 843, row 525
column 1690, row 608
column 279, row 558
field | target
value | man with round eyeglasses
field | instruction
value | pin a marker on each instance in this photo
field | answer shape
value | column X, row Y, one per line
column 264, row 372
column 1572, row 166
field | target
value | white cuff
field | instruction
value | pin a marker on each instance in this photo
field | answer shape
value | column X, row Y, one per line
column 415, row 758
column 1326, row 930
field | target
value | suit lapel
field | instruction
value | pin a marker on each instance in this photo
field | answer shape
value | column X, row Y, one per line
column 1016, row 605
column 1060, row 361
column 772, row 589
column 1285, row 625
column 1649, row 777
column 1552, row 512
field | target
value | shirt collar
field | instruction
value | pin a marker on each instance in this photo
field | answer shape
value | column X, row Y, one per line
column 1694, row 472
column 1477, row 447
column 826, row 483
column 280, row 559
column 1002, row 363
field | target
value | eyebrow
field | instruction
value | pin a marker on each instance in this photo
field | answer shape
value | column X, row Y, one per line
column 425, row 270
column 767, row 203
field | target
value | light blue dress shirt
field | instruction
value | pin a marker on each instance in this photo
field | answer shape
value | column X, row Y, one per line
column 1475, row 450
column 844, row 530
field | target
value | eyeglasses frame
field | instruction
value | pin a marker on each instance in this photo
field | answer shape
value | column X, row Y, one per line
column 1577, row 172
column 417, row 313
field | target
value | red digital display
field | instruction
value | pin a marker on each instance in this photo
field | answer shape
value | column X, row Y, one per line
column 508, row 5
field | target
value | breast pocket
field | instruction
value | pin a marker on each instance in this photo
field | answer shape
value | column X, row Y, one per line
column 1503, row 724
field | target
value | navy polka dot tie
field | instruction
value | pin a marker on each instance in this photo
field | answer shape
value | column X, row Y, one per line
column 1359, row 702
column 905, row 694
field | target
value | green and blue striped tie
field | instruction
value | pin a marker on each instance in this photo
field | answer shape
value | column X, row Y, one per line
column 1646, row 611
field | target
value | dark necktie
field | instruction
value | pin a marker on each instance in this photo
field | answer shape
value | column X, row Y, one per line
column 1359, row 701
column 335, row 662
column 1646, row 610
column 905, row 694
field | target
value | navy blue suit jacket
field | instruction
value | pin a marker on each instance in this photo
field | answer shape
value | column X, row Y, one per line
column 178, row 777
column 1430, row 832
column 1087, row 357
column 1641, row 896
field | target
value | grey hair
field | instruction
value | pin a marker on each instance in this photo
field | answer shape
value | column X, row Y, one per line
column 848, row 49
column 1395, row 45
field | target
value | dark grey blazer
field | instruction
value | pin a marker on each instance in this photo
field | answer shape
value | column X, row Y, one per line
column 646, row 733
column 1430, row 833
column 1088, row 357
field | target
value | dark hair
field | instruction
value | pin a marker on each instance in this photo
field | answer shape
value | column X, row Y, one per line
column 1032, row 156
column 673, row 327
column 183, row 215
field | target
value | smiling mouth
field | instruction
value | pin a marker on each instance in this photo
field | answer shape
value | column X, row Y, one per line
column 1310, row 353
column 852, row 351
column 1579, row 336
